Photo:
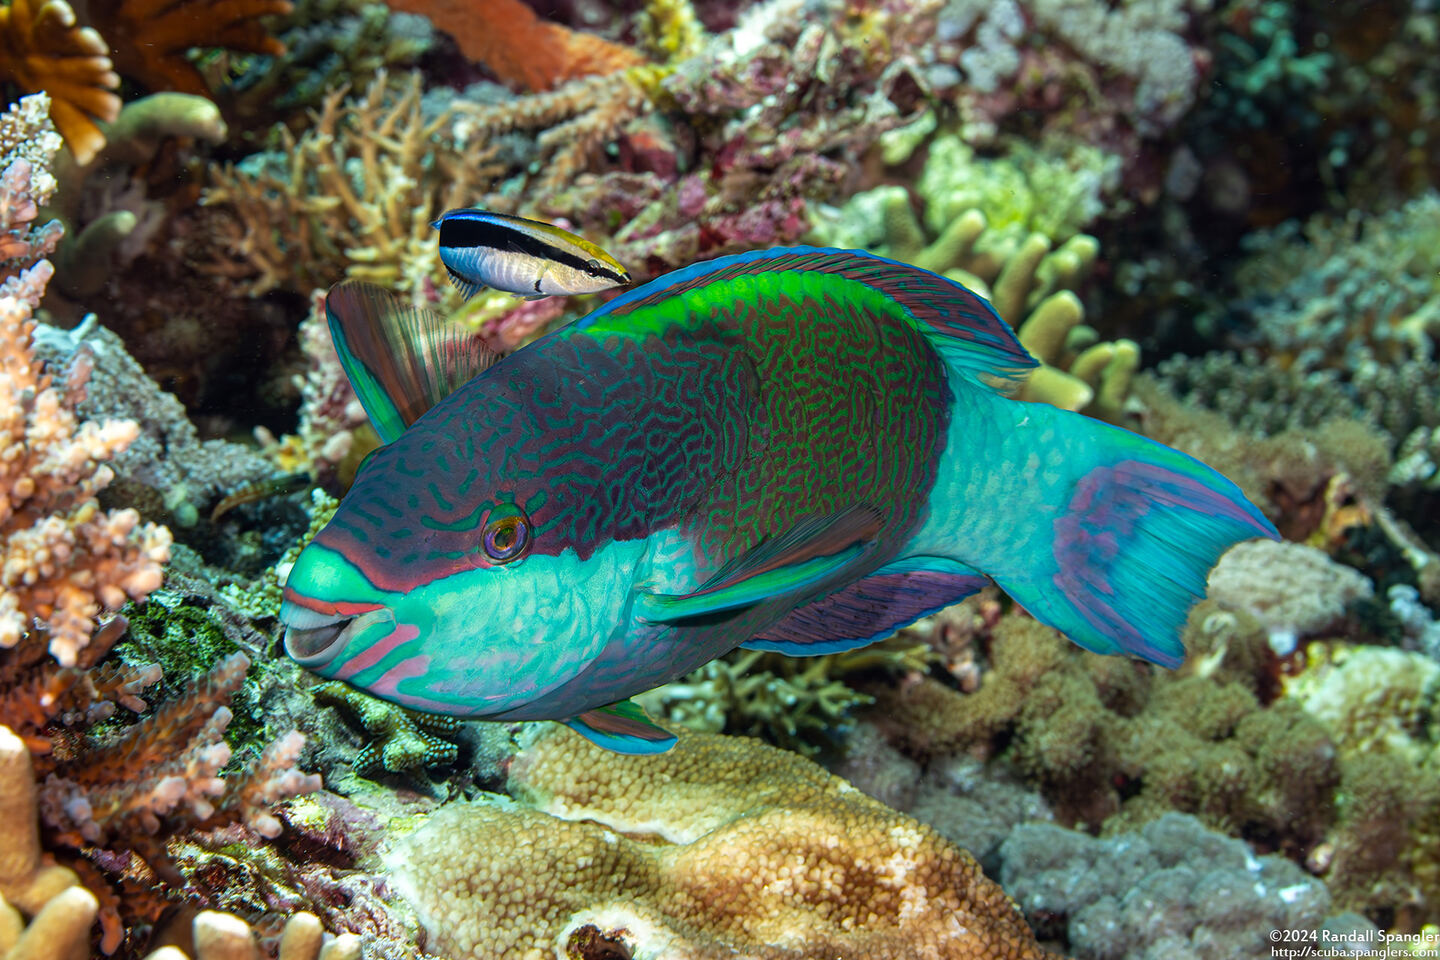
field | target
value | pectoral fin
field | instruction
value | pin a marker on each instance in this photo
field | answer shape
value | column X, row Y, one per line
column 624, row 728
column 808, row 553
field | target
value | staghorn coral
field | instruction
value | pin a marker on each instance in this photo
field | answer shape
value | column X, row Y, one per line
column 43, row 48
column 65, row 560
column 520, row 48
column 721, row 846
column 354, row 195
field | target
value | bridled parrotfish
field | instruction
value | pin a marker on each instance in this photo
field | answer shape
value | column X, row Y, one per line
column 529, row 258
column 799, row 450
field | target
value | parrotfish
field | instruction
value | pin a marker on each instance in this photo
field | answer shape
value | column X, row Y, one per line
column 528, row 258
column 799, row 450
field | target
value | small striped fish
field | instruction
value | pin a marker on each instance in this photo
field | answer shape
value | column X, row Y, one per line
column 528, row 258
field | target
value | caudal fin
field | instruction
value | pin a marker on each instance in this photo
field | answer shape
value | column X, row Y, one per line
column 1134, row 545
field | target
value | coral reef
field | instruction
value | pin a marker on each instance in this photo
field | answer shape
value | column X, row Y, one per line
column 518, row 47
column 43, row 48
column 28, row 144
column 404, row 740
column 354, row 195
column 65, row 559
column 1008, row 228
column 1173, row 889
column 1357, row 289
column 802, row 705
column 722, row 845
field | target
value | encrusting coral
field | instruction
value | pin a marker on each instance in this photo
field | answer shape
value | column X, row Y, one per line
column 720, row 847
column 404, row 740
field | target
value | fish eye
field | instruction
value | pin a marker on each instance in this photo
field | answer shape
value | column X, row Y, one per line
column 592, row 265
column 506, row 538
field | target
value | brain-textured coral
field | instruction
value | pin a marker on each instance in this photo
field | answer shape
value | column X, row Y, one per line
column 42, row 47
column 64, row 559
column 720, row 847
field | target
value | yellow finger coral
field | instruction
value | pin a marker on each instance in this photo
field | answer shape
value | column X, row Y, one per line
column 722, row 847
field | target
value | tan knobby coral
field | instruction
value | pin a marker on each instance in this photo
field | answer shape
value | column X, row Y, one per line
column 62, row 559
column 722, row 847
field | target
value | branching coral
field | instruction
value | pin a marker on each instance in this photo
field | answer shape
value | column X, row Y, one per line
column 1341, row 292
column 354, row 195
column 63, row 912
column 28, row 144
column 65, row 559
column 43, row 48
column 720, row 847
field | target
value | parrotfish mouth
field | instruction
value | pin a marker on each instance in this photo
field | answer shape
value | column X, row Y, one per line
column 313, row 639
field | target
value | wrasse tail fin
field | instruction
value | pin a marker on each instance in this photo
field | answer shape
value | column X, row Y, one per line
column 1134, row 546
column 872, row 608
column 624, row 728
column 400, row 360
column 810, row 552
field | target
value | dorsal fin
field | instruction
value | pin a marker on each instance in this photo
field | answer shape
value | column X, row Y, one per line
column 400, row 360
column 959, row 323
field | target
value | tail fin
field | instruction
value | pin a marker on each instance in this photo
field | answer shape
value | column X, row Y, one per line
column 1133, row 547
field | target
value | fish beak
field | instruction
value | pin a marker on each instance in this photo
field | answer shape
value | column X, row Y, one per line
column 435, row 224
column 314, row 639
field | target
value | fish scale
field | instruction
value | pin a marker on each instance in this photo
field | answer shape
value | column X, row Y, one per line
column 799, row 450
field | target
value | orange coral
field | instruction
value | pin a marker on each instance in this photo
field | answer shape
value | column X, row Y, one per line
column 519, row 47
column 43, row 48
column 150, row 38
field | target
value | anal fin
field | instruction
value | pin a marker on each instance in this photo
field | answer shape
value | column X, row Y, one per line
column 872, row 608
column 624, row 728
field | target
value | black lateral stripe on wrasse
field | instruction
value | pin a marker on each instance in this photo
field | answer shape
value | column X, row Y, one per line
column 261, row 490
column 465, row 232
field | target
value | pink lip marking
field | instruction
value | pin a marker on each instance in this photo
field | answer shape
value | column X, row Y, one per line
column 389, row 681
column 403, row 633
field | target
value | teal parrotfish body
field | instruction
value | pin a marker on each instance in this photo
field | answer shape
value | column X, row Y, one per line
column 798, row 450
column 529, row 258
